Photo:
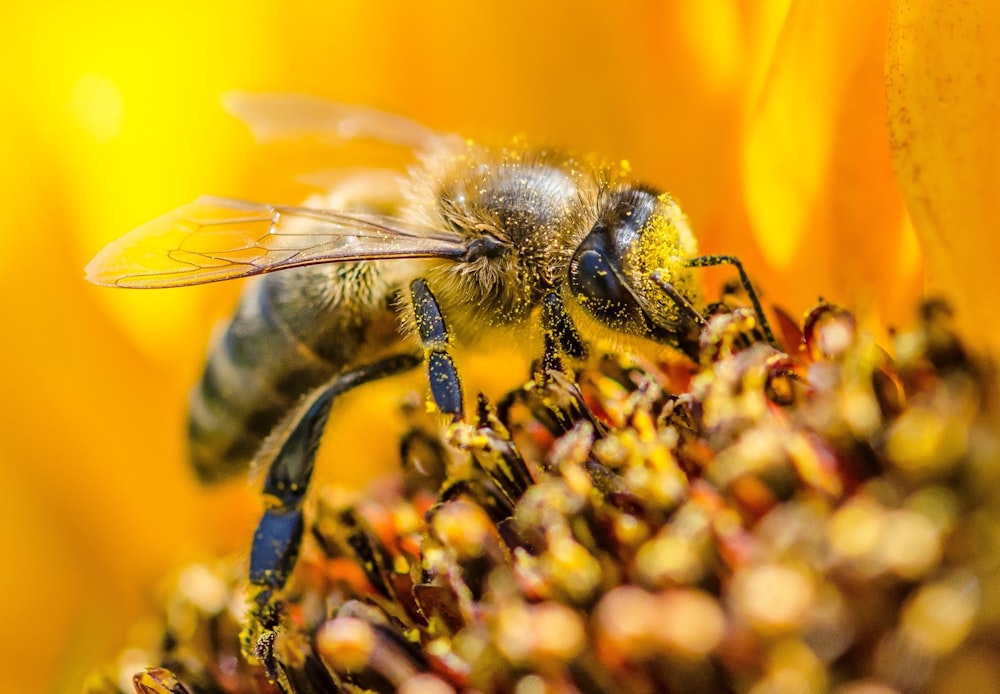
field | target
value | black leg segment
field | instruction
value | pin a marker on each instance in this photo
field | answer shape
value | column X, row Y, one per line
column 276, row 547
column 560, row 337
column 711, row 260
column 279, row 533
column 556, row 322
column 446, row 388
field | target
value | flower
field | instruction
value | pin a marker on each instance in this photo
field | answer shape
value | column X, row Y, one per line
column 813, row 521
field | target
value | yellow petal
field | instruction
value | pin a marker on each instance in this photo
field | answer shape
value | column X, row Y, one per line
column 943, row 87
column 820, row 189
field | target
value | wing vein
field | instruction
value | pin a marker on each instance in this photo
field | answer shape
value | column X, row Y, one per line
column 215, row 239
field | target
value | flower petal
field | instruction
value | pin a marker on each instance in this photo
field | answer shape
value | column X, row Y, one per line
column 820, row 189
column 943, row 88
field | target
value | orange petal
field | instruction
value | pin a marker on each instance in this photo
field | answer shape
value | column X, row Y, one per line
column 820, row 190
column 943, row 87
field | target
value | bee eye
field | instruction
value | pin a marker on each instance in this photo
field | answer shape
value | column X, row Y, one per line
column 596, row 283
column 592, row 277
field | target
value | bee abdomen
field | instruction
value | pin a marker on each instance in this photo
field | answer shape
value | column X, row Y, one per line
column 255, row 373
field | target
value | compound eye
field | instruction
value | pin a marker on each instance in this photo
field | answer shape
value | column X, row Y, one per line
column 591, row 277
column 597, row 285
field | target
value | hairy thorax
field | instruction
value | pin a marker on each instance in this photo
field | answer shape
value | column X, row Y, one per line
column 531, row 205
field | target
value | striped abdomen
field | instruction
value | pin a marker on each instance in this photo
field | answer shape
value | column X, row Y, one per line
column 292, row 332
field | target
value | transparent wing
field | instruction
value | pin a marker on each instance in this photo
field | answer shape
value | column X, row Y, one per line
column 273, row 117
column 216, row 239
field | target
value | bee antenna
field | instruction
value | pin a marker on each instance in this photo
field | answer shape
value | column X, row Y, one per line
column 679, row 299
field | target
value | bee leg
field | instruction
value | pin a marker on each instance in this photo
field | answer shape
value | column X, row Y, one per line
column 710, row 260
column 561, row 336
column 446, row 388
column 279, row 533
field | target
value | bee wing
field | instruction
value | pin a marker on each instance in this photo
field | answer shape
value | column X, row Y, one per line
column 216, row 239
column 273, row 117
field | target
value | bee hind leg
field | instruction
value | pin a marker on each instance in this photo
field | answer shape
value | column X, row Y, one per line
column 294, row 445
column 291, row 450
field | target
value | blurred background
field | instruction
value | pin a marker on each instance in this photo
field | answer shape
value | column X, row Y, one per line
column 767, row 126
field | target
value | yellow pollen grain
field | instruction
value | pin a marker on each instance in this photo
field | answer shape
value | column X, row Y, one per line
column 644, row 426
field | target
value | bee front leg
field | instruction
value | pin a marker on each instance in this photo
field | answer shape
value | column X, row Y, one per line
column 561, row 336
column 711, row 260
column 446, row 388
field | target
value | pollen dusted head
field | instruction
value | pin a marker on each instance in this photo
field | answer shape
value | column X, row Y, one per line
column 638, row 231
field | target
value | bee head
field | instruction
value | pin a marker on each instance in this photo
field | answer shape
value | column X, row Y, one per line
column 638, row 231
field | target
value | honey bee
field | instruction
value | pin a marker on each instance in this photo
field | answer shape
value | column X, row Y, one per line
column 535, row 246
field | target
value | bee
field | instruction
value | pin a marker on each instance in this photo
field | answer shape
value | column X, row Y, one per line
column 533, row 246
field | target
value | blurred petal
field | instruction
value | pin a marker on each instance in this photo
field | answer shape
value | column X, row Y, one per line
column 820, row 190
column 943, row 75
